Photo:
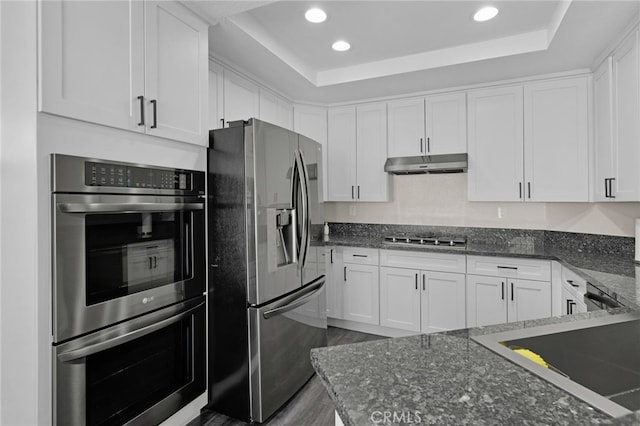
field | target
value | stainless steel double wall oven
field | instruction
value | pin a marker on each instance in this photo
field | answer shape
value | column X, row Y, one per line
column 128, row 283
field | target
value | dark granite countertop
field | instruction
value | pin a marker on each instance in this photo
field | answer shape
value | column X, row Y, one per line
column 448, row 378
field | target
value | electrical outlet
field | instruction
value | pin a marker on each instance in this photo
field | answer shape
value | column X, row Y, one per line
column 352, row 211
column 502, row 212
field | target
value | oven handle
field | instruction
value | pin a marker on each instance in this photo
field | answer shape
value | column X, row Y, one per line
column 126, row 207
column 117, row 341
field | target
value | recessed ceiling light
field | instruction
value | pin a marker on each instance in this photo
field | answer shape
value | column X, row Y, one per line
column 341, row 46
column 315, row 15
column 485, row 14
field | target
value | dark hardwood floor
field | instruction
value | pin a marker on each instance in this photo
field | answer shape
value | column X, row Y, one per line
column 310, row 406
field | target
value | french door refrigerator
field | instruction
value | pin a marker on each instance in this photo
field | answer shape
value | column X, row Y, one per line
column 267, row 305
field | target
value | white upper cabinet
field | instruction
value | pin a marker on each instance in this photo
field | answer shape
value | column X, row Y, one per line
column 424, row 126
column 495, row 120
column 603, row 130
column 101, row 63
column 356, row 153
column 405, row 121
column 176, row 69
column 241, row 98
column 341, row 154
column 92, row 57
column 529, row 143
column 216, row 90
column 625, row 185
column 275, row 110
column 373, row 183
column 556, row 140
column 446, row 123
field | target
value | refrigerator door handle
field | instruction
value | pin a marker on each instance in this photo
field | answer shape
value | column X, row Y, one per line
column 304, row 188
column 289, row 305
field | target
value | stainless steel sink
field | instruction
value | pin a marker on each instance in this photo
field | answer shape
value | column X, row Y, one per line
column 597, row 360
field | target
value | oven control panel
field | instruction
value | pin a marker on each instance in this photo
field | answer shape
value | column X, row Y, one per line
column 118, row 175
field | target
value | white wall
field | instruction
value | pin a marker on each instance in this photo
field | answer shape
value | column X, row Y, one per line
column 18, row 187
column 442, row 200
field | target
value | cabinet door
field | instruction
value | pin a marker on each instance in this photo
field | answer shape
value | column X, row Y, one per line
column 400, row 298
column 556, row 140
column 626, row 125
column 341, row 154
column 268, row 107
column 373, row 183
column 406, row 127
column 361, row 293
column 446, row 123
column 216, row 91
column 495, row 124
column 443, row 301
column 285, row 114
column 603, row 130
column 92, row 61
column 486, row 300
column 241, row 98
column 176, row 71
column 528, row 300
column 334, row 284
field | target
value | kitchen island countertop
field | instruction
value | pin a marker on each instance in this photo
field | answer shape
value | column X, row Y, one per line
column 448, row 378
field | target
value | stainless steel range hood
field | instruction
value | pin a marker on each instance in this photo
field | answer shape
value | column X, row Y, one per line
column 443, row 163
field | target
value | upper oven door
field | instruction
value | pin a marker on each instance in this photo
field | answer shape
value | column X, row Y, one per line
column 119, row 256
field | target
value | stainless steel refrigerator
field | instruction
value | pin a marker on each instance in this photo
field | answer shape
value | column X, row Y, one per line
column 267, row 305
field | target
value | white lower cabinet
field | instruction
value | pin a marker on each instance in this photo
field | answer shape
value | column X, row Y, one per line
column 421, row 301
column 333, row 267
column 497, row 300
column 422, row 292
column 360, row 289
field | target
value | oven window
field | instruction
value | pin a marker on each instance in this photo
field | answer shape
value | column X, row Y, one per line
column 132, row 252
column 124, row 381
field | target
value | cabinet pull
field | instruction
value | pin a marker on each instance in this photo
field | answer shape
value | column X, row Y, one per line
column 360, row 255
column 352, row 197
column 529, row 190
column 606, row 188
column 512, row 291
column 358, row 192
column 520, row 186
column 424, row 287
column 222, row 123
column 155, row 113
column 611, row 188
column 345, row 274
column 428, row 144
column 141, row 123
column 502, row 290
column 421, row 144
column 572, row 284
column 331, row 256
column 514, row 268
column 416, row 281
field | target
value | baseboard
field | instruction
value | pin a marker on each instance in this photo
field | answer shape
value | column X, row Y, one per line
column 369, row 328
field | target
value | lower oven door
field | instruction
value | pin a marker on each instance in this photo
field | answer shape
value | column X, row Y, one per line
column 137, row 372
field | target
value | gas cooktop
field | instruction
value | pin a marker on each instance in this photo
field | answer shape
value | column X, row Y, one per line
column 427, row 241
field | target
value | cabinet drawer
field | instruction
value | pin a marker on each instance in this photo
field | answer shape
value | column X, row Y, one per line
column 425, row 261
column 573, row 281
column 362, row 256
column 530, row 269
